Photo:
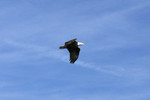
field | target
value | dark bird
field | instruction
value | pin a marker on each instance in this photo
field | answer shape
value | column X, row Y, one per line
column 72, row 47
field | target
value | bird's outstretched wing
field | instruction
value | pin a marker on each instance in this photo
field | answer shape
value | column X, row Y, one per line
column 70, row 42
column 74, row 53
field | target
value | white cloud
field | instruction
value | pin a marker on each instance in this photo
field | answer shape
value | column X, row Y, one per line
column 42, row 51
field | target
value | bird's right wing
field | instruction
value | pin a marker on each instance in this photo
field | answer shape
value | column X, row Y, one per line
column 69, row 42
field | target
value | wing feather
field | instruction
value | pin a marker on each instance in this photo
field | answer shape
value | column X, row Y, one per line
column 74, row 54
column 70, row 42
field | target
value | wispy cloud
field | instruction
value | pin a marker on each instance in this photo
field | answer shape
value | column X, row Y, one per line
column 42, row 51
column 32, row 31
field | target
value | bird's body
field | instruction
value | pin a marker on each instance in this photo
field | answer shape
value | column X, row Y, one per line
column 72, row 47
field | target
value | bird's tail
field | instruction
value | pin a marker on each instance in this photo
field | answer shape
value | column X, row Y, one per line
column 62, row 47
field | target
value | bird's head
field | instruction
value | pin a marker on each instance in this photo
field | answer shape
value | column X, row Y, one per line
column 79, row 44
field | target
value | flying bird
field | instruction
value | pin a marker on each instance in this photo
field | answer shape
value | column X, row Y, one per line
column 72, row 47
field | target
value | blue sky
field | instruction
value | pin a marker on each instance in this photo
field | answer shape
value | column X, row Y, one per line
column 114, row 63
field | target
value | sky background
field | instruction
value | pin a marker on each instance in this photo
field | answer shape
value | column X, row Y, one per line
column 114, row 63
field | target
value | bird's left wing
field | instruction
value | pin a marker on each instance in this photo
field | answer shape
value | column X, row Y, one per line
column 74, row 54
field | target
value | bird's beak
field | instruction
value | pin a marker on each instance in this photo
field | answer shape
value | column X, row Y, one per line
column 79, row 43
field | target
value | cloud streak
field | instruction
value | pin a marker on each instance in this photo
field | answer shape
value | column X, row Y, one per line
column 41, row 51
column 115, row 67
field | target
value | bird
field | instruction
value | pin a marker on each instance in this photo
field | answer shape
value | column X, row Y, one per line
column 72, row 47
